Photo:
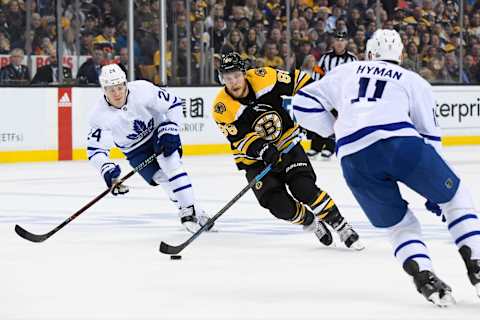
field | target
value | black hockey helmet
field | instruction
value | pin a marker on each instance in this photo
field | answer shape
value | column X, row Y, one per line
column 231, row 62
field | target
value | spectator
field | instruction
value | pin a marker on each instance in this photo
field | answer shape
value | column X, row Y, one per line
column 86, row 43
column 69, row 48
column 123, row 62
column 107, row 37
column 290, row 60
column 219, row 33
column 90, row 70
column 15, row 19
column 15, row 72
column 411, row 60
column 4, row 43
column 234, row 43
column 471, row 72
column 271, row 57
column 48, row 74
column 91, row 25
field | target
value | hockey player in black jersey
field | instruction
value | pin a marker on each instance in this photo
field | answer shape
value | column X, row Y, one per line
column 248, row 111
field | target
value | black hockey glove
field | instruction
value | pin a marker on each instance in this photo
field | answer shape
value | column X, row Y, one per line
column 269, row 153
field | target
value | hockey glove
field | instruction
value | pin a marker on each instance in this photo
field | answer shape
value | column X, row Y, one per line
column 434, row 208
column 111, row 172
column 269, row 153
column 168, row 139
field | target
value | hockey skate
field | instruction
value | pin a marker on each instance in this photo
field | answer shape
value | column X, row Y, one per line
column 321, row 231
column 429, row 285
column 193, row 219
column 326, row 155
column 473, row 267
column 344, row 230
column 312, row 154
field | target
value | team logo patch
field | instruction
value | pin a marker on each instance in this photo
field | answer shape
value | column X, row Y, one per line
column 220, row 108
column 449, row 183
column 141, row 129
column 260, row 72
column 258, row 185
column 269, row 126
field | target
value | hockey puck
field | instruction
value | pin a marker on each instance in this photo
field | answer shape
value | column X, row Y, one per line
column 175, row 257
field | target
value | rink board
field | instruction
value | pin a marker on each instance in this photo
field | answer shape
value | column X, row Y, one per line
column 48, row 124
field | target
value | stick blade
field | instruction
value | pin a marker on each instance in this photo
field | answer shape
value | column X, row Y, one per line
column 30, row 236
column 168, row 249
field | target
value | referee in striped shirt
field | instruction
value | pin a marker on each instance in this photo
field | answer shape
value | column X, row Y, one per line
column 332, row 58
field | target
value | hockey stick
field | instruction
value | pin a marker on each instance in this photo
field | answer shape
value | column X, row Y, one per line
column 169, row 249
column 42, row 237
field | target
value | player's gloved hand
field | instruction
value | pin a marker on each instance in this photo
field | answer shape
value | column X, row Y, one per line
column 168, row 139
column 269, row 153
column 111, row 172
column 435, row 208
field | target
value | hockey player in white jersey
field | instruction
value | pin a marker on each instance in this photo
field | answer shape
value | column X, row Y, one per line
column 387, row 133
column 142, row 119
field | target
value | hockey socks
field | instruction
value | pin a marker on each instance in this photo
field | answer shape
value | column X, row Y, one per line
column 406, row 240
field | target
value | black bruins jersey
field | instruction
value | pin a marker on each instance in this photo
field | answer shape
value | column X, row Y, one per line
column 250, row 122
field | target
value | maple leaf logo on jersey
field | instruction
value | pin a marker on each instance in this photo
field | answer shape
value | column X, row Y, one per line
column 141, row 129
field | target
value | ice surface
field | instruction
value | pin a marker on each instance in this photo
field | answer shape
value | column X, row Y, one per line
column 106, row 263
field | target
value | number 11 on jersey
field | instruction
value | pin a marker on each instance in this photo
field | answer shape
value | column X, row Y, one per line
column 362, row 90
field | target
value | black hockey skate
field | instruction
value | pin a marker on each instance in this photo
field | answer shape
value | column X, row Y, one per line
column 473, row 267
column 321, row 231
column 429, row 285
column 344, row 230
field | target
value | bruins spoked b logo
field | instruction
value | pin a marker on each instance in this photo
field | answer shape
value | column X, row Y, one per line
column 269, row 126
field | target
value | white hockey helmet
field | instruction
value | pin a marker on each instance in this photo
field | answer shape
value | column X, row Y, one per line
column 385, row 44
column 112, row 75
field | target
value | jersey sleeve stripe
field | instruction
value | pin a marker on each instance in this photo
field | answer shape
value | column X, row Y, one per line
column 306, row 95
column 301, row 82
column 433, row 138
column 94, row 149
column 308, row 110
column 90, row 156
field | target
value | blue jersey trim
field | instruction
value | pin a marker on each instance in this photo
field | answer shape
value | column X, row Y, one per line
column 357, row 135
column 98, row 152
column 307, row 110
column 433, row 138
column 306, row 95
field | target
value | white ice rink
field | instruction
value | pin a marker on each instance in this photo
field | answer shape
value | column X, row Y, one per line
column 106, row 263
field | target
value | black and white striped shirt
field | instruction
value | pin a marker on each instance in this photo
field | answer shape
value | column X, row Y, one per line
column 330, row 60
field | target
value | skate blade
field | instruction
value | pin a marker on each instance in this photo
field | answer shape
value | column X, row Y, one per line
column 357, row 245
column 191, row 227
column 446, row 301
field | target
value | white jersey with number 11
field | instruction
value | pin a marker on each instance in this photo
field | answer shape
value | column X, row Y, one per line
column 375, row 100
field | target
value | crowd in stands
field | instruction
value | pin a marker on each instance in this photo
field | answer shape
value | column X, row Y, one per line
column 257, row 29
